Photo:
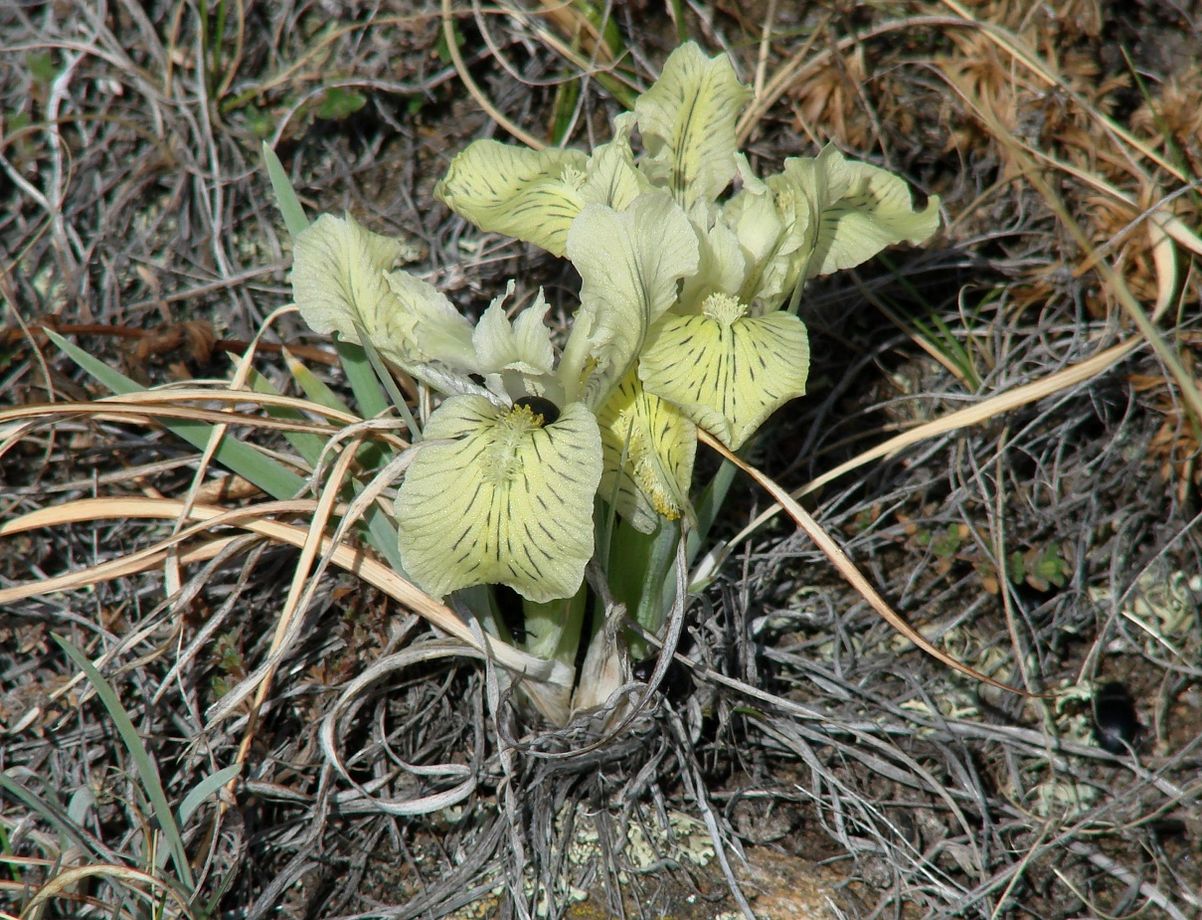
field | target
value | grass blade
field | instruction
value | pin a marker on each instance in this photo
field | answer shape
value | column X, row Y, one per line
column 205, row 788
column 290, row 207
column 234, row 455
column 147, row 771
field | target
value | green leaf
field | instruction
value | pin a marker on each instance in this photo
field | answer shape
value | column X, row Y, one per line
column 493, row 497
column 338, row 103
column 205, row 788
column 290, row 207
column 639, row 570
column 308, row 445
column 369, row 394
column 42, row 66
column 312, row 386
column 260, row 122
column 54, row 814
column 148, row 772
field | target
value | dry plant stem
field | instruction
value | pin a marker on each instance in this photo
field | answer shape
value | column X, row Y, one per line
column 252, row 519
column 847, row 568
column 999, row 562
column 332, row 728
column 313, row 541
column 308, row 352
column 448, row 31
column 67, row 879
column 171, row 569
column 802, row 63
column 176, row 394
column 116, row 410
column 961, row 418
column 1126, row 299
column 1016, row 48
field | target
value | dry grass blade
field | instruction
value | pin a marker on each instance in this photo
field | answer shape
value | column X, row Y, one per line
column 1017, row 49
column 452, row 44
column 142, row 883
column 1022, row 154
column 251, row 519
column 292, row 604
column 119, row 411
column 848, row 569
column 963, row 418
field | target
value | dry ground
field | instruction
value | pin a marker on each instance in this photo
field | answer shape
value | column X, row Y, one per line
column 1052, row 545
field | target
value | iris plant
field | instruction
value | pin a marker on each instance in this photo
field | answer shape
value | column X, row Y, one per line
column 687, row 317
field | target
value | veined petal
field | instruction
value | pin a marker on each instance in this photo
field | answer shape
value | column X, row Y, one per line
column 523, row 346
column 506, row 500
column 649, row 448
column 725, row 370
column 875, row 211
column 612, row 177
column 431, row 328
column 721, row 264
column 338, row 281
column 855, row 210
column 532, row 195
column 687, row 120
column 629, row 263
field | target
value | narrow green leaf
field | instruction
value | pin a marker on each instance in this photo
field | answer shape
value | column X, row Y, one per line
column 373, row 454
column 361, row 376
column 553, row 629
column 639, row 567
column 313, row 386
column 147, row 770
column 241, row 458
column 308, row 445
column 707, row 507
column 52, row 813
column 290, row 207
column 205, row 788
column 384, row 384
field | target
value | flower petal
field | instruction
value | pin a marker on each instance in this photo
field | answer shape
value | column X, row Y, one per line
column 523, row 346
column 721, row 264
column 532, row 195
column 687, row 121
column 854, row 210
column 502, row 501
column 612, row 178
column 629, row 263
column 649, row 448
column 875, row 211
column 769, row 243
column 725, row 370
column 429, row 326
column 338, row 281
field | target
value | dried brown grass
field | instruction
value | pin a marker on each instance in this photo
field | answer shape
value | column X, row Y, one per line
column 131, row 200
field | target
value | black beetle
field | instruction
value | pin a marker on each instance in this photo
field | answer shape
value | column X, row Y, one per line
column 1116, row 727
